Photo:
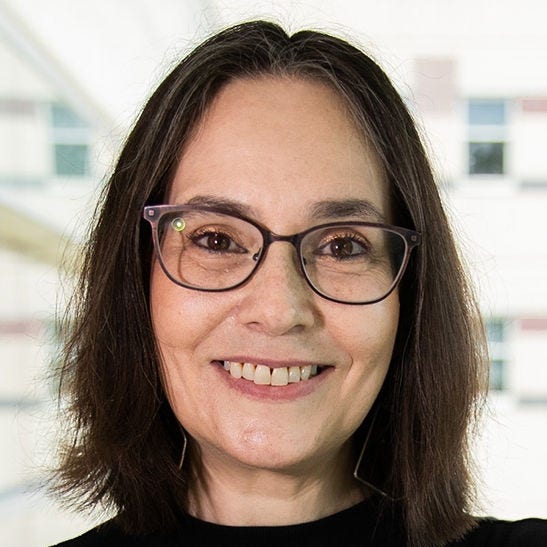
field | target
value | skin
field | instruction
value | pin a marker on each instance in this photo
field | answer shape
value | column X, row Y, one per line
column 275, row 146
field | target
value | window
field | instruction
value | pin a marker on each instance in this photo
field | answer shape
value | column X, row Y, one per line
column 486, row 158
column 70, row 135
column 487, row 147
column 486, row 112
column 496, row 335
column 71, row 159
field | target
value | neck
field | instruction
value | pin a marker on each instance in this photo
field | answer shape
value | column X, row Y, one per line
column 225, row 492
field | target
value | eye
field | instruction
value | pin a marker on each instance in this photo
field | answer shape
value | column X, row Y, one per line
column 343, row 247
column 216, row 242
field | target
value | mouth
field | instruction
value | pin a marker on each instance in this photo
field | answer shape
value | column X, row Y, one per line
column 263, row 375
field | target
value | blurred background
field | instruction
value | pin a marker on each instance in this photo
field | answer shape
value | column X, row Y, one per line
column 73, row 76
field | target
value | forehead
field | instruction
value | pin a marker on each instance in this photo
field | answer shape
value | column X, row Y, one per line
column 279, row 144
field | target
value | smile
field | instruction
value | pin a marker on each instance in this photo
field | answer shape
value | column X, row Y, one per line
column 264, row 375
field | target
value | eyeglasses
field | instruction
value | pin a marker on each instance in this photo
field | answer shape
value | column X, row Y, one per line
column 208, row 249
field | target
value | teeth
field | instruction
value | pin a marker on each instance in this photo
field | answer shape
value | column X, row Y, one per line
column 305, row 373
column 236, row 369
column 248, row 371
column 280, row 376
column 264, row 376
column 294, row 375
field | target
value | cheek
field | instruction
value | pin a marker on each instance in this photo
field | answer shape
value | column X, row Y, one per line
column 372, row 330
column 181, row 319
column 369, row 339
column 180, row 316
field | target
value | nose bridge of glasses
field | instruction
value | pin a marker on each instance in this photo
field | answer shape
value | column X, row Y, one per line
column 294, row 240
column 271, row 237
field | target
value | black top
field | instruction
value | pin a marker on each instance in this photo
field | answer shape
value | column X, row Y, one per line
column 360, row 525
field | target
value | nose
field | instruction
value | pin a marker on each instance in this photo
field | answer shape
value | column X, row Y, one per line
column 278, row 299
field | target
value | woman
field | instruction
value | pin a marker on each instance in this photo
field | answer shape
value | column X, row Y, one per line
column 274, row 341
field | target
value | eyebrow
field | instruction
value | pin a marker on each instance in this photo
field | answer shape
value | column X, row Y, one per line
column 322, row 210
column 226, row 205
column 346, row 208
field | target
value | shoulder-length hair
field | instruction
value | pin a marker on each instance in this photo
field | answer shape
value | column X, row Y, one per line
column 124, row 447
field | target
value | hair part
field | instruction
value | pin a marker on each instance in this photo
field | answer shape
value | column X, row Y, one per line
column 124, row 445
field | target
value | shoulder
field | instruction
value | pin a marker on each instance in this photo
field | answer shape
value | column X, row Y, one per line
column 502, row 533
column 109, row 535
column 104, row 534
column 487, row 533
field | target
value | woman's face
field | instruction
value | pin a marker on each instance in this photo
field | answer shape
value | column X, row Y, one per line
column 276, row 148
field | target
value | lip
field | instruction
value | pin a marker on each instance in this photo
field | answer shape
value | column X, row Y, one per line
column 290, row 392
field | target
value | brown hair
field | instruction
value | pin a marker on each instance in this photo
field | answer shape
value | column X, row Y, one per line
column 125, row 445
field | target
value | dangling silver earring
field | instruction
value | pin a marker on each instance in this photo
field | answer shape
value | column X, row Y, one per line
column 184, row 445
column 356, row 475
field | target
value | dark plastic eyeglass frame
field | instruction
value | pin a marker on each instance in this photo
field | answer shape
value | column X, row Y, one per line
column 154, row 213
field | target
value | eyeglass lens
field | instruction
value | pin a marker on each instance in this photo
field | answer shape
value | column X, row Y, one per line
column 213, row 251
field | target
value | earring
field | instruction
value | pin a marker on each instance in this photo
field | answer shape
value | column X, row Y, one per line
column 184, row 445
column 371, row 461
